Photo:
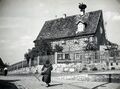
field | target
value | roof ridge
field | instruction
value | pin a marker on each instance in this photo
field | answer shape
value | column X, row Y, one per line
column 72, row 15
column 99, row 19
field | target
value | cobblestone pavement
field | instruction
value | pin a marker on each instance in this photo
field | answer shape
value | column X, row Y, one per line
column 30, row 82
column 33, row 82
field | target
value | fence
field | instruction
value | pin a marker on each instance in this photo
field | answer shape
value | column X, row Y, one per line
column 89, row 58
column 37, row 60
column 82, row 56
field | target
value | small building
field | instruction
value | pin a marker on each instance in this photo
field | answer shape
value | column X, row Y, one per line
column 2, row 66
column 114, row 60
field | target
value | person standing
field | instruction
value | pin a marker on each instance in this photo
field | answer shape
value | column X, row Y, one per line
column 5, row 71
column 46, row 72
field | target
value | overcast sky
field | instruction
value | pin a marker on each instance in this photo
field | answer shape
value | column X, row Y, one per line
column 22, row 20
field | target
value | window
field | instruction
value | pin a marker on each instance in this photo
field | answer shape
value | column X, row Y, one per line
column 60, row 56
column 96, row 55
column 78, row 56
column 116, row 63
column 111, row 64
column 67, row 56
column 96, row 39
column 81, row 27
column 53, row 46
column 91, row 39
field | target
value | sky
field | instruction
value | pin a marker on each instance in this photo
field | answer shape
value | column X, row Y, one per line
column 22, row 20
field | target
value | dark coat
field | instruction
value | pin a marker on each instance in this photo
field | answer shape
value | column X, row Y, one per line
column 47, row 75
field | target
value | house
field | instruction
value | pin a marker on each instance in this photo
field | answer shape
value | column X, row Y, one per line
column 75, row 34
column 80, row 41
column 81, row 36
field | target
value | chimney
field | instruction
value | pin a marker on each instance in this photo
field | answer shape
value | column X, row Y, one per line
column 64, row 15
column 56, row 16
column 82, row 8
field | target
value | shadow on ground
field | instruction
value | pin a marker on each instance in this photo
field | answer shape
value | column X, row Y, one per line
column 102, row 85
column 118, row 87
column 8, row 84
column 55, row 85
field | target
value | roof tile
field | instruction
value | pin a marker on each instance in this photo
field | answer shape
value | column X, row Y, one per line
column 67, row 27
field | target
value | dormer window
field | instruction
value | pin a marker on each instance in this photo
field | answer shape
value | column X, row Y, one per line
column 91, row 39
column 81, row 27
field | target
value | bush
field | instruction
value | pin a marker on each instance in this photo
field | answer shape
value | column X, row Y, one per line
column 103, row 68
column 113, row 68
column 94, row 69
column 84, row 69
column 58, row 48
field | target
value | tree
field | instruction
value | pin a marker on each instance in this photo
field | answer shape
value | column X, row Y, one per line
column 90, row 45
column 31, row 54
column 27, row 57
column 58, row 48
column 44, row 47
column 1, row 62
column 112, row 49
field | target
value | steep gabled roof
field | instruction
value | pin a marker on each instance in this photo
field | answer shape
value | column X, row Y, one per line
column 67, row 27
column 1, row 63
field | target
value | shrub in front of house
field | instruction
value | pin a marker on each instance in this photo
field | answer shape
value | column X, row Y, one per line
column 94, row 69
column 112, row 68
column 84, row 69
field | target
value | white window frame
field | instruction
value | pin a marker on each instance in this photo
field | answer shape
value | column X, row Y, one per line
column 80, row 26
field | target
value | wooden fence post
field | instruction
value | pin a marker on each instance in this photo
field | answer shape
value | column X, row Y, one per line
column 55, row 57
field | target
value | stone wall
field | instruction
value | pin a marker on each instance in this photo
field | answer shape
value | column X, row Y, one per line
column 71, row 44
